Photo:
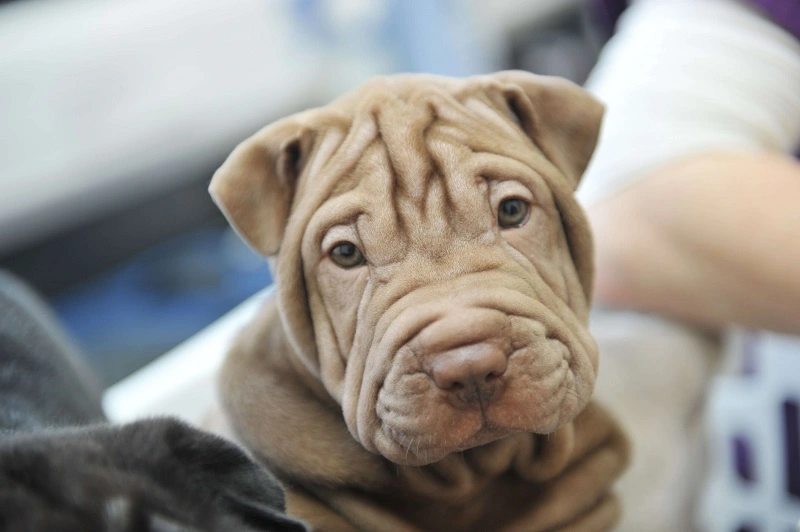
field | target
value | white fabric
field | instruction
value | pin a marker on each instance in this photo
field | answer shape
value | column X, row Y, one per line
column 688, row 76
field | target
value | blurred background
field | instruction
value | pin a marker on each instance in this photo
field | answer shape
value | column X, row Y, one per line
column 114, row 115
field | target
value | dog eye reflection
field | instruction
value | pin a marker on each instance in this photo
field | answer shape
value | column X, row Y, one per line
column 513, row 212
column 347, row 255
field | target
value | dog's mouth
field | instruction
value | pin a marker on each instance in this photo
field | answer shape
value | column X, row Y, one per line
column 419, row 423
column 419, row 449
column 415, row 447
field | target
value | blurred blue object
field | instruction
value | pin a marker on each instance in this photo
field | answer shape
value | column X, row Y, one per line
column 130, row 316
column 434, row 37
column 385, row 36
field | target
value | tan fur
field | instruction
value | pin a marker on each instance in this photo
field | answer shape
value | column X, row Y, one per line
column 444, row 384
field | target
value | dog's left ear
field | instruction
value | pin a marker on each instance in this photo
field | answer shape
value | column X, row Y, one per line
column 560, row 117
column 255, row 186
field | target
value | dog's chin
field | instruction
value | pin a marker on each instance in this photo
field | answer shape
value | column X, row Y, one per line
column 416, row 447
column 418, row 450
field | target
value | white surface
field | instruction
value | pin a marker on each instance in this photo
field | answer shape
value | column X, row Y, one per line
column 182, row 382
column 104, row 101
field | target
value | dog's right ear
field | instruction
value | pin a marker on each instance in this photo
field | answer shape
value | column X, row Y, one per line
column 255, row 186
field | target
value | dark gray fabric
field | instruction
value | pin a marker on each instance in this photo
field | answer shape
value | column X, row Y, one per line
column 43, row 380
column 63, row 467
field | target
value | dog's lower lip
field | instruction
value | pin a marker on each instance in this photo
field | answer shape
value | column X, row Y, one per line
column 412, row 450
column 485, row 433
column 400, row 437
column 418, row 444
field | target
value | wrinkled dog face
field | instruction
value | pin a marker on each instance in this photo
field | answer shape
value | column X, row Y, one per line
column 434, row 286
column 429, row 225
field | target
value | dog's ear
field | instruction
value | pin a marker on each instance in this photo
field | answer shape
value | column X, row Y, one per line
column 255, row 186
column 561, row 118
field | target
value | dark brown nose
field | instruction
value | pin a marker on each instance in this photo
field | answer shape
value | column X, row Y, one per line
column 471, row 372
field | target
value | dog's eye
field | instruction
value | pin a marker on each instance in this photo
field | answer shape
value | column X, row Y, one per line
column 347, row 255
column 513, row 212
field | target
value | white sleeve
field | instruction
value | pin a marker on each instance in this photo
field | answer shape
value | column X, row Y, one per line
column 688, row 76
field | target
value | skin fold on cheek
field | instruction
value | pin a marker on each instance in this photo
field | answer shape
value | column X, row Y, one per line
column 540, row 245
column 342, row 293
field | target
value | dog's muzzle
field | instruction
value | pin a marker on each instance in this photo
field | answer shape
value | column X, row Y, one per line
column 466, row 363
column 465, row 355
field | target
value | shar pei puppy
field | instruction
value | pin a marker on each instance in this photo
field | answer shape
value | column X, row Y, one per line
column 425, row 363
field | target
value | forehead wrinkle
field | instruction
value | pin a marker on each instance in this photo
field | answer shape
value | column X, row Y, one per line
column 378, row 223
column 490, row 115
column 467, row 204
column 430, row 216
column 478, row 122
column 427, row 207
column 401, row 125
column 329, row 142
column 472, row 113
column 353, row 193
column 344, row 157
column 389, row 219
column 419, row 178
column 496, row 167
column 341, row 210
column 440, row 205
column 435, row 227
column 369, row 164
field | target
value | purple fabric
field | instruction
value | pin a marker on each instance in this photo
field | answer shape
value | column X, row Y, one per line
column 743, row 458
column 606, row 13
column 785, row 13
column 791, row 425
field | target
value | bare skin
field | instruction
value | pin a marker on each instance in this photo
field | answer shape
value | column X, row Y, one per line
column 712, row 240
